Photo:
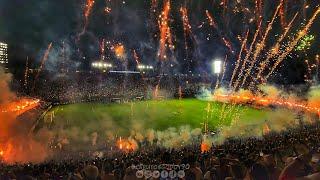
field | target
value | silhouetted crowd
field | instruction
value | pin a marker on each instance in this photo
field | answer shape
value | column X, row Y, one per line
column 293, row 154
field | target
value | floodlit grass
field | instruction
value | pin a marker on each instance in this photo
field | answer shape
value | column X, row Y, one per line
column 157, row 115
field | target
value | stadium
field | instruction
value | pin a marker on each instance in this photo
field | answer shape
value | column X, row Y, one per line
column 163, row 92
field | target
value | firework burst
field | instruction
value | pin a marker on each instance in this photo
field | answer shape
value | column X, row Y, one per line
column 119, row 51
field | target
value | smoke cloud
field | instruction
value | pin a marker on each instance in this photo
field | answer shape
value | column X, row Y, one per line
column 17, row 144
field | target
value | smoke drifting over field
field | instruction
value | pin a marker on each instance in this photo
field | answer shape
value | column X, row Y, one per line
column 17, row 144
column 137, row 130
column 277, row 119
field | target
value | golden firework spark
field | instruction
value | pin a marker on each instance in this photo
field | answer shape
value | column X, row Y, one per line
column 246, row 59
column 291, row 45
column 261, row 45
column 244, row 43
column 274, row 50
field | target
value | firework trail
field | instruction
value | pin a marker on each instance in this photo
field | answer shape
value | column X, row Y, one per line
column 154, row 5
column 26, row 73
column 282, row 14
column 304, row 8
column 224, row 4
column 153, row 19
column 244, row 42
column 187, row 30
column 165, row 38
column 274, row 50
column 258, row 9
column 212, row 23
column 246, row 59
column 88, row 8
column 227, row 44
column 136, row 57
column 102, row 49
column 165, row 34
column 44, row 59
column 266, row 129
column 293, row 43
column 206, row 120
column 86, row 12
column 156, row 90
column 211, row 20
column 218, row 82
column 261, row 45
column 241, row 39
column 308, row 75
column 224, row 67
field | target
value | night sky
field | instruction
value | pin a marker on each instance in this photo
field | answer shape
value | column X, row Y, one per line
column 29, row 26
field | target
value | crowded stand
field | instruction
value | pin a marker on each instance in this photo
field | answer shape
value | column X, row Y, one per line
column 292, row 154
column 88, row 87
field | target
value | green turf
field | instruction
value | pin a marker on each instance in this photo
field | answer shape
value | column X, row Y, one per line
column 157, row 115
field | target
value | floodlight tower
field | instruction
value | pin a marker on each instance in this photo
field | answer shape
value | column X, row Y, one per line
column 216, row 66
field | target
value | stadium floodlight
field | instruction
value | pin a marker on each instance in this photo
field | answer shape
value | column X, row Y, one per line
column 217, row 66
column 101, row 65
column 144, row 67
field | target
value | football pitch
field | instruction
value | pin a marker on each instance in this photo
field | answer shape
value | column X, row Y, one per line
column 158, row 115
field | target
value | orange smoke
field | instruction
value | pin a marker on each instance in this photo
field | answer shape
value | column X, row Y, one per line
column 266, row 129
column 19, row 107
column 127, row 145
column 266, row 101
column 17, row 144
column 204, row 147
column 22, row 150
column 16, row 141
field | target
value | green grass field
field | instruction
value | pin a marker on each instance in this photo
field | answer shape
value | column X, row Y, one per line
column 158, row 115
